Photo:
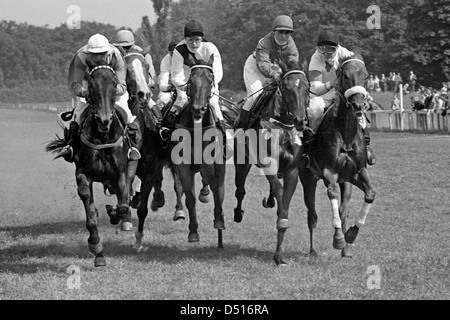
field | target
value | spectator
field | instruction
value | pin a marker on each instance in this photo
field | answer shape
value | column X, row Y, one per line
column 397, row 81
column 384, row 83
column 376, row 82
column 370, row 84
column 412, row 81
column 395, row 106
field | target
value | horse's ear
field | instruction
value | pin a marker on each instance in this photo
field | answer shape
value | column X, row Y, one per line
column 113, row 61
column 304, row 64
column 211, row 60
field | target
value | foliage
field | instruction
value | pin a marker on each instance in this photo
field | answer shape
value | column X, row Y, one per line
column 414, row 35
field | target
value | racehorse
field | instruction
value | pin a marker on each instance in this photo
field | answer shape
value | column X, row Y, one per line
column 102, row 153
column 279, row 123
column 338, row 156
column 193, row 138
column 155, row 152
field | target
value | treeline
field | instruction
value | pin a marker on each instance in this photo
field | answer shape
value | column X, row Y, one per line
column 398, row 36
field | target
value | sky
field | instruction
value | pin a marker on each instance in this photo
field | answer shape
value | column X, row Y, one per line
column 119, row 13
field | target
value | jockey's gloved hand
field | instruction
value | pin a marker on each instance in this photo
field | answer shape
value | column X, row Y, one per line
column 80, row 90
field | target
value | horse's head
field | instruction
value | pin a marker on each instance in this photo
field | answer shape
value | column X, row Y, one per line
column 200, row 84
column 102, row 90
column 294, row 89
column 351, row 77
column 137, row 77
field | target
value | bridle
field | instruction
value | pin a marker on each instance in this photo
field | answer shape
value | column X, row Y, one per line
column 353, row 90
column 199, row 66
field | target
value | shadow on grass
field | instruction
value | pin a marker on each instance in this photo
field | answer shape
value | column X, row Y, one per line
column 35, row 230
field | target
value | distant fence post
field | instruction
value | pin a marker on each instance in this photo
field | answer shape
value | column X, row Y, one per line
column 400, row 92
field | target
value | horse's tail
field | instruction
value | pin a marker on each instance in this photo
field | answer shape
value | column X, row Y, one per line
column 56, row 146
column 230, row 113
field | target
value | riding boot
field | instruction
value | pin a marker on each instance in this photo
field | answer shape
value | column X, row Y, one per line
column 243, row 120
column 169, row 123
column 371, row 159
column 135, row 138
column 157, row 113
column 70, row 137
column 228, row 151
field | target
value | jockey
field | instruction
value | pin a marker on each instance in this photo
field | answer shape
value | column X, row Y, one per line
column 194, row 46
column 166, row 87
column 98, row 48
column 322, row 75
column 262, row 66
column 125, row 40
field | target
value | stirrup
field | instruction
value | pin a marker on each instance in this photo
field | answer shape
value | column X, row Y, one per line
column 133, row 154
column 164, row 133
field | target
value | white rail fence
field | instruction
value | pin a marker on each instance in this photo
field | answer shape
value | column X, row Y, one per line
column 379, row 119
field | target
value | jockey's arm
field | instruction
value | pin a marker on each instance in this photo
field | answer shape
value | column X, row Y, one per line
column 120, row 70
column 77, row 86
column 263, row 63
column 151, row 70
column 177, row 71
column 217, row 64
column 317, row 86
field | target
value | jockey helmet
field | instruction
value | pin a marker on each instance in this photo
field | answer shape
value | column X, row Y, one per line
column 98, row 43
column 283, row 22
column 328, row 38
column 193, row 28
column 124, row 38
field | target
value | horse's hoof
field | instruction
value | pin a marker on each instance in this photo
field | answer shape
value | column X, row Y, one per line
column 193, row 237
column 135, row 201
column 99, row 261
column 279, row 262
column 313, row 253
column 347, row 252
column 219, row 224
column 338, row 239
column 179, row 215
column 203, row 198
column 268, row 203
column 238, row 215
column 126, row 226
column 351, row 234
column 154, row 208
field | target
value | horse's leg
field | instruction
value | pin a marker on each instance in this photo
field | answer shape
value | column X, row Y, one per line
column 214, row 175
column 309, row 183
column 346, row 194
column 85, row 192
column 203, row 196
column 362, row 182
column 179, row 213
column 126, row 224
column 158, row 195
column 330, row 180
column 283, row 194
column 240, row 176
column 270, row 201
column 187, row 178
column 142, row 211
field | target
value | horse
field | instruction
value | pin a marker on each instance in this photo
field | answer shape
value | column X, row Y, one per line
column 102, row 153
column 194, row 125
column 279, row 122
column 155, row 152
column 338, row 156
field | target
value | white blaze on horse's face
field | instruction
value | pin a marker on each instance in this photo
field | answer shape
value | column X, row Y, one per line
column 139, row 73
